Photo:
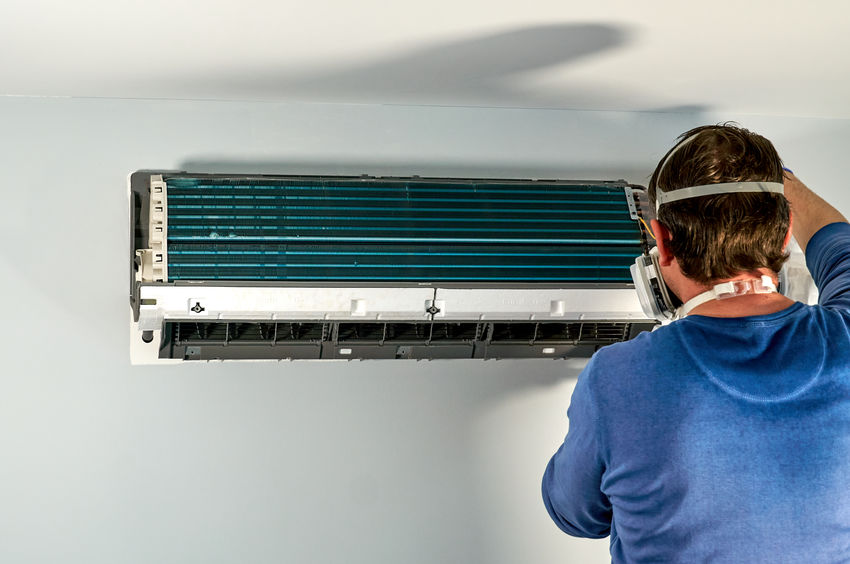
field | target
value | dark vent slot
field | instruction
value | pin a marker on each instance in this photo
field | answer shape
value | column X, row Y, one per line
column 243, row 331
column 263, row 331
column 408, row 332
column 361, row 332
column 203, row 331
column 299, row 332
column 513, row 331
column 597, row 333
column 558, row 331
column 454, row 332
column 246, row 333
column 605, row 331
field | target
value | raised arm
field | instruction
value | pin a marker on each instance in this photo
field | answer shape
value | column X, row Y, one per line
column 811, row 212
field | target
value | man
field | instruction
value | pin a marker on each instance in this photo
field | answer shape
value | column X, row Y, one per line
column 725, row 435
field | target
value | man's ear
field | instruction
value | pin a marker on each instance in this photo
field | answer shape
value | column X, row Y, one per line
column 662, row 239
column 790, row 230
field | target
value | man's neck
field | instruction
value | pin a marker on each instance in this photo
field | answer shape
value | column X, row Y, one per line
column 738, row 306
column 744, row 305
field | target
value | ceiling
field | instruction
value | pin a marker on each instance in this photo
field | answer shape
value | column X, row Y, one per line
column 753, row 57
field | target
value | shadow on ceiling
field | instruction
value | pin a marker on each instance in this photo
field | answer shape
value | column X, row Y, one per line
column 489, row 70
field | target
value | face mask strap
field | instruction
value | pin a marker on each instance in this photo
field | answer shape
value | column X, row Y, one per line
column 726, row 290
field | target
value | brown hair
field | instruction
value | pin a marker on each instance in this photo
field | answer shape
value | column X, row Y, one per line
column 720, row 236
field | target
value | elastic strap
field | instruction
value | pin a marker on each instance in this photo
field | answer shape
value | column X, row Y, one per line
column 662, row 198
column 724, row 290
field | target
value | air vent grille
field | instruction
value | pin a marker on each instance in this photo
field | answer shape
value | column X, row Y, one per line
column 316, row 339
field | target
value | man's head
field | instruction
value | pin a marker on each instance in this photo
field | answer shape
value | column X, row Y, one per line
column 721, row 236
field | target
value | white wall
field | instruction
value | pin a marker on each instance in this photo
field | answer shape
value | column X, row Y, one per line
column 378, row 462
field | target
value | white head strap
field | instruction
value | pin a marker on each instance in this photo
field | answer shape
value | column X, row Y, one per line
column 662, row 198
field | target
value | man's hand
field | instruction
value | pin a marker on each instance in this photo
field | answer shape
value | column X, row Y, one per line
column 810, row 211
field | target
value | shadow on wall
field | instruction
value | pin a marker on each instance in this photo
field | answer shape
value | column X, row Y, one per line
column 489, row 70
column 351, row 167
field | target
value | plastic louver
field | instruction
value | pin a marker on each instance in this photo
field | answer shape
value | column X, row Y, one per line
column 398, row 230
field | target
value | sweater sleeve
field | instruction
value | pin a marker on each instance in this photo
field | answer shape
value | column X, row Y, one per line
column 572, row 480
column 828, row 259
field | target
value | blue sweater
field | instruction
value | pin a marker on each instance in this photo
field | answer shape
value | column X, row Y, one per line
column 718, row 439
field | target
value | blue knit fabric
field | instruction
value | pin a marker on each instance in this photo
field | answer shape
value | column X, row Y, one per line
column 718, row 439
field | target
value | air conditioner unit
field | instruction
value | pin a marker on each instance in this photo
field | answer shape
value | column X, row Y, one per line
column 344, row 267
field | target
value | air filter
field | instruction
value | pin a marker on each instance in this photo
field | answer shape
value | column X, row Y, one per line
column 398, row 230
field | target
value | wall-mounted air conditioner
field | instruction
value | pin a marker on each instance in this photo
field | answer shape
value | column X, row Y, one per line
column 333, row 267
